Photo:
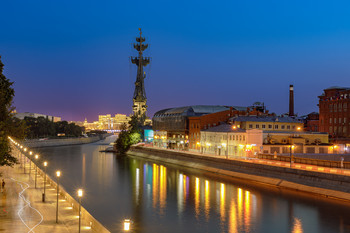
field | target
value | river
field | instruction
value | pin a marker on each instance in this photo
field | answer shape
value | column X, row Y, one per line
column 161, row 198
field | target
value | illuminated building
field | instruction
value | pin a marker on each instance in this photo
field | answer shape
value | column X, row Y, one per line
column 107, row 122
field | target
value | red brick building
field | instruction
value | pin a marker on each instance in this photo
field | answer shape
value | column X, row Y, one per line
column 198, row 123
column 334, row 114
column 311, row 122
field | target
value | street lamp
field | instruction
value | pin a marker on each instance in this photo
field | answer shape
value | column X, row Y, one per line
column 80, row 194
column 127, row 224
column 58, row 174
column 24, row 161
column 30, row 161
column 36, row 168
column 290, row 154
column 45, row 165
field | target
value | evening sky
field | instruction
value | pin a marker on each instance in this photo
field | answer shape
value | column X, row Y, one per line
column 71, row 58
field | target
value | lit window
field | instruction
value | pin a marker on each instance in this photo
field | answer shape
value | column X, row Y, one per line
column 257, row 126
column 282, row 127
column 263, row 126
column 276, row 126
column 250, row 126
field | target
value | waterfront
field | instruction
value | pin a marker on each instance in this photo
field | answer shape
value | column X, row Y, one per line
column 162, row 198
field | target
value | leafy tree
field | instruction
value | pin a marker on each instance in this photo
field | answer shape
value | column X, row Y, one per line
column 9, row 126
column 129, row 137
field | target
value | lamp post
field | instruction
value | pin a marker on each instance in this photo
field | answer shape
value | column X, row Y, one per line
column 30, row 161
column 36, row 168
column 80, row 194
column 24, row 161
column 290, row 154
column 58, row 174
column 127, row 224
column 45, row 165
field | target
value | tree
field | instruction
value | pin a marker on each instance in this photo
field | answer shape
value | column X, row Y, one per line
column 129, row 137
column 9, row 126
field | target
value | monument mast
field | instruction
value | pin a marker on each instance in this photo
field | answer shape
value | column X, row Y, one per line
column 139, row 98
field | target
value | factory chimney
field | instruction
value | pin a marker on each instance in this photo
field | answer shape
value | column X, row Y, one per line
column 291, row 101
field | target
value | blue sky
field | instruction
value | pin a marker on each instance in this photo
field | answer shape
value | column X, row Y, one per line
column 71, row 58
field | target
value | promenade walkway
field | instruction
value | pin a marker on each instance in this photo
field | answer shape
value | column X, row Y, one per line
column 22, row 209
column 299, row 166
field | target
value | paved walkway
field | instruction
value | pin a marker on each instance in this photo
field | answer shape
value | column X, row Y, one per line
column 345, row 172
column 22, row 209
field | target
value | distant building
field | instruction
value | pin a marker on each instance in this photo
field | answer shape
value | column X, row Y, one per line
column 334, row 114
column 249, row 135
column 108, row 122
column 36, row 115
column 171, row 126
column 311, row 122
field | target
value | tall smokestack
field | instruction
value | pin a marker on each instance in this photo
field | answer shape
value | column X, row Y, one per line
column 291, row 100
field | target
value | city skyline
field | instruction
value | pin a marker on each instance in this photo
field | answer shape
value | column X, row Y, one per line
column 71, row 59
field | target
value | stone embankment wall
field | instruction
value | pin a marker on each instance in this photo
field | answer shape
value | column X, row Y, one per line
column 62, row 142
column 326, row 184
column 86, row 217
column 318, row 160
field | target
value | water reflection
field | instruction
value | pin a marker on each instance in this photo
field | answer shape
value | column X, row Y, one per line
column 162, row 198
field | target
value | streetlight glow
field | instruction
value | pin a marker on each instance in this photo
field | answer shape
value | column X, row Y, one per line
column 58, row 173
column 45, row 164
column 36, row 156
column 80, row 192
column 30, row 153
column 127, row 225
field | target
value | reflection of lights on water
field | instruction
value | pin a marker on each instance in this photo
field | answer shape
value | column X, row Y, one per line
column 196, row 196
column 206, row 195
column 222, row 201
column 180, row 193
column 137, row 183
column 297, row 226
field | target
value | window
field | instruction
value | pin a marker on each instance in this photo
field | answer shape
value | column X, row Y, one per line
column 345, row 107
column 282, row 127
column 240, row 137
column 250, row 126
column 331, row 108
column 344, row 119
column 270, row 126
column 335, row 120
column 288, row 126
column 344, row 129
column 335, row 129
column 330, row 120
column 263, row 126
column 339, row 120
column 293, row 127
column 340, row 130
column 330, row 129
column 335, row 108
column 257, row 126
column 236, row 137
column 276, row 126
column 243, row 137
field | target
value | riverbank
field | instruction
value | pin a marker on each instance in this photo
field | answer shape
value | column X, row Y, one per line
column 22, row 209
column 36, row 143
column 330, row 185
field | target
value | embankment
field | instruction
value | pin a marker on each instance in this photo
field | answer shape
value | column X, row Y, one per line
column 35, row 143
column 86, row 217
column 325, row 184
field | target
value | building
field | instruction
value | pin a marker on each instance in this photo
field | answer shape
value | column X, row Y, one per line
column 280, row 134
column 171, row 126
column 36, row 115
column 334, row 114
column 311, row 122
column 108, row 122
column 225, row 140
column 252, row 134
column 205, row 121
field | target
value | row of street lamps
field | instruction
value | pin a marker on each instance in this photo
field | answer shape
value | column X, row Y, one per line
column 21, row 152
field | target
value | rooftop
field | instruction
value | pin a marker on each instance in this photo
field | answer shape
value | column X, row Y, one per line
column 226, row 128
column 265, row 119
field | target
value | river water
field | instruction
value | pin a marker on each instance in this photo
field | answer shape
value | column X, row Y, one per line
column 164, row 198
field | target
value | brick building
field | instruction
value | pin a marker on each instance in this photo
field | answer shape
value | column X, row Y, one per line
column 334, row 114
column 198, row 123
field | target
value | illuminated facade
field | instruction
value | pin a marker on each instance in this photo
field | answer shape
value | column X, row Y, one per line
column 108, row 122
